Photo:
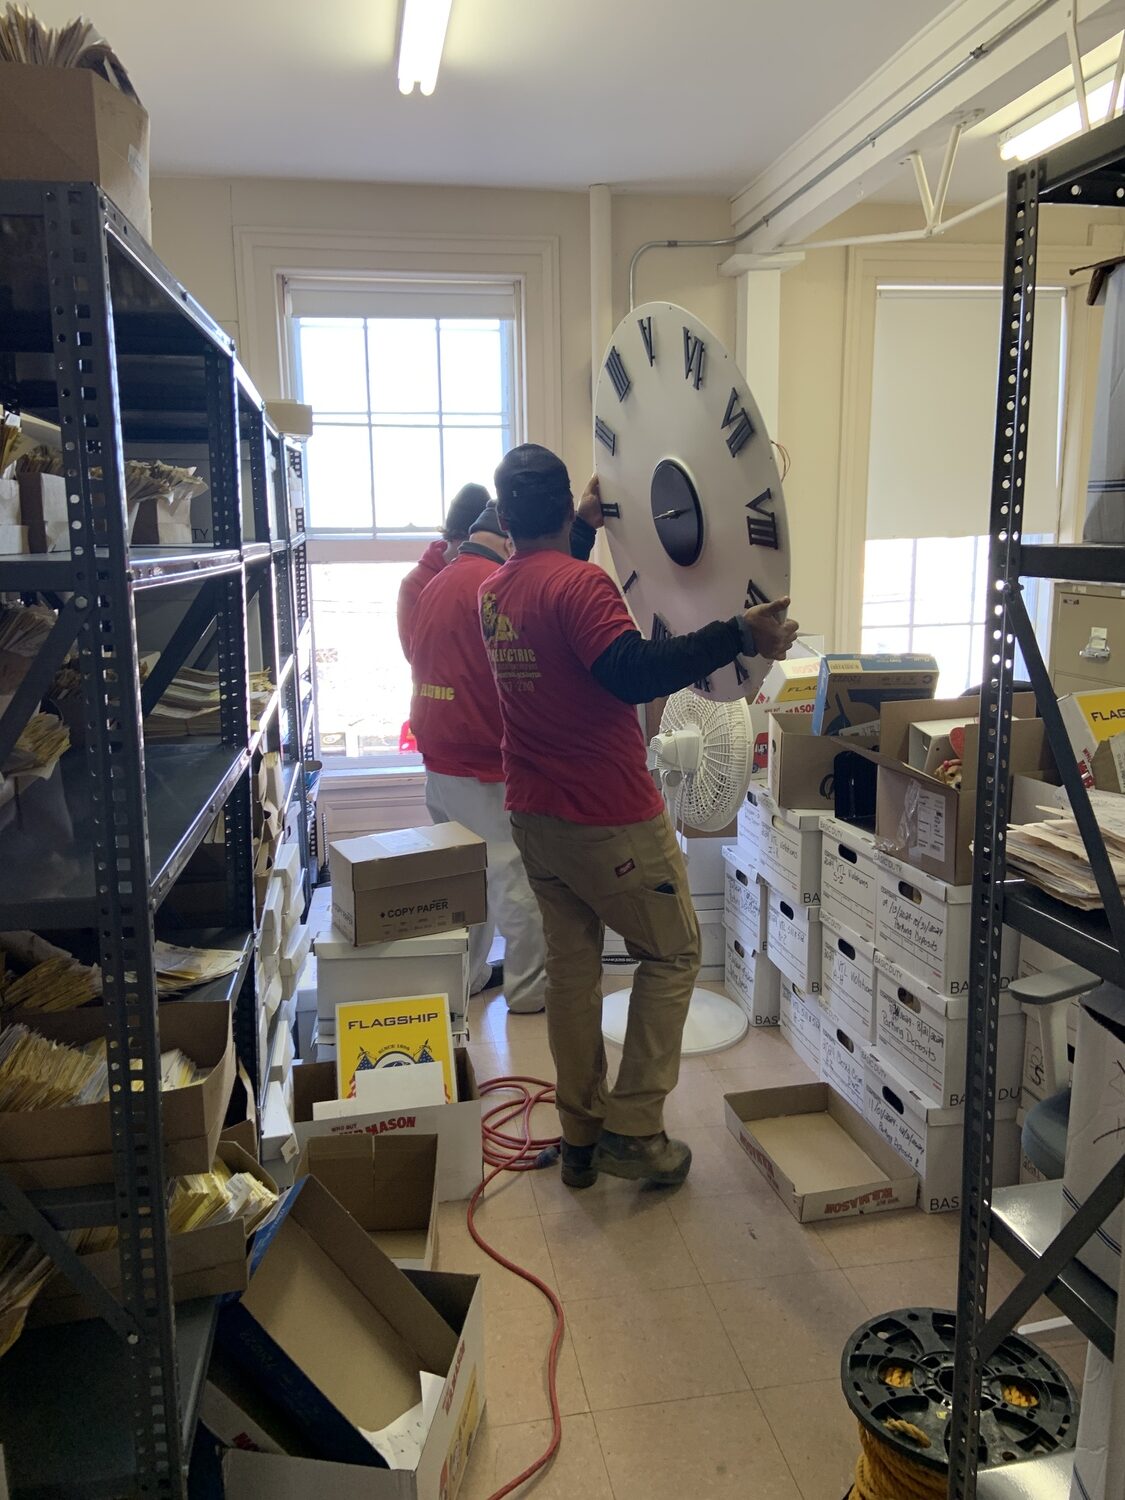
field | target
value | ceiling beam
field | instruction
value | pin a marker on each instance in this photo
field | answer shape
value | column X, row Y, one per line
column 935, row 81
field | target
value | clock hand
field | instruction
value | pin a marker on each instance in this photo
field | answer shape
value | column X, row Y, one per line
column 669, row 515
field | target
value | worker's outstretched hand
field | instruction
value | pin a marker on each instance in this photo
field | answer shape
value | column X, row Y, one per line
column 590, row 506
column 773, row 633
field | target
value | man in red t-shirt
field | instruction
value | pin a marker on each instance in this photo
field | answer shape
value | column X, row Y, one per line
column 596, row 841
column 464, row 508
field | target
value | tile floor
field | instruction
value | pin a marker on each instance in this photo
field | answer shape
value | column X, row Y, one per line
column 704, row 1324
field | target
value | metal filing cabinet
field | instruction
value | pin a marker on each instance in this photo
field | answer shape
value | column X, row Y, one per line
column 1087, row 637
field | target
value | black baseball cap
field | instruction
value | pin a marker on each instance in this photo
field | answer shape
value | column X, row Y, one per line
column 534, row 467
column 464, row 509
column 488, row 520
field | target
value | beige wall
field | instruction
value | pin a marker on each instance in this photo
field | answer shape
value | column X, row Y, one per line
column 196, row 220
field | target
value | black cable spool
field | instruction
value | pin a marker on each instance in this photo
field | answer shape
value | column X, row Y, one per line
column 916, row 1344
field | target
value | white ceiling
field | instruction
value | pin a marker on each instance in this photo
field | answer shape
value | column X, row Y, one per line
column 692, row 95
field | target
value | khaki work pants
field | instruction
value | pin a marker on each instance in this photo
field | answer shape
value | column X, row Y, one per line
column 631, row 878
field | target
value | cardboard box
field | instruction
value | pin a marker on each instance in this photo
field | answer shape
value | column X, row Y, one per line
column 753, row 981
column 931, row 742
column 802, row 1020
column 924, row 1035
column 847, row 978
column 749, row 824
column 235, row 1412
column 1094, row 1136
column 817, row 1153
column 1033, row 1083
column 71, row 1147
column 793, row 940
column 1029, row 1172
column 435, row 964
column 712, row 936
column 388, row 1184
column 1095, row 1420
column 923, row 925
column 848, row 881
column 279, row 1141
column 843, row 1062
column 852, row 690
column 742, row 901
column 408, row 882
column 790, row 686
column 801, row 763
column 162, row 523
column 704, row 860
column 205, row 1262
column 69, row 125
column 789, row 853
column 333, row 1332
column 1092, row 719
column 41, row 509
column 930, row 1139
column 290, row 417
column 919, row 819
column 457, row 1126
column 285, row 1054
column 445, row 1455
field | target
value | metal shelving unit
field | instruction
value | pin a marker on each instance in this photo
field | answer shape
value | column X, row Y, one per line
column 1089, row 171
column 99, row 338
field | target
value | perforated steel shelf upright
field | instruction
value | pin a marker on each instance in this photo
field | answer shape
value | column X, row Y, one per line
column 1087, row 171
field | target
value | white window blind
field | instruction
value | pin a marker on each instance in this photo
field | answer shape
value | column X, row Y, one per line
column 933, row 405
column 400, row 297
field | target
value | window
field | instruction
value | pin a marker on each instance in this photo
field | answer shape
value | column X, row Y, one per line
column 930, row 471
column 414, row 389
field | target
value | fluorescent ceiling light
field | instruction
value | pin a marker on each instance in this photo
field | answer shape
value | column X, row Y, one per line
column 1058, row 122
column 424, row 25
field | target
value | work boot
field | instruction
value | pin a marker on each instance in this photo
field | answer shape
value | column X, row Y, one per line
column 578, row 1170
column 643, row 1158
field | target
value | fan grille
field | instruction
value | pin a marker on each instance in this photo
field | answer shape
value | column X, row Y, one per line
column 709, row 798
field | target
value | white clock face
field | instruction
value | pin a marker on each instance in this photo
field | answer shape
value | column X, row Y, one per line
column 694, row 513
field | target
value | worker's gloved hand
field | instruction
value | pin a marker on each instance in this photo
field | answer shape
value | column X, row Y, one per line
column 767, row 632
column 590, row 505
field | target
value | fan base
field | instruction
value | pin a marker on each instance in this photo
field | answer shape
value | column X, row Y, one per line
column 713, row 1022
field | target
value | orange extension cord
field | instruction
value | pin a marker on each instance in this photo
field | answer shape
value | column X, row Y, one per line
column 505, row 1152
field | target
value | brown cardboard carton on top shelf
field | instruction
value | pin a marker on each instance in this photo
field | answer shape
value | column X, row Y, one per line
column 69, row 125
column 71, row 1146
column 43, row 511
column 800, row 764
column 388, row 1184
column 407, row 882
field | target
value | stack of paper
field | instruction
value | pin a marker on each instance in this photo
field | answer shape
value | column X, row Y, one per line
column 56, row 984
column 36, row 753
column 190, row 704
column 23, row 629
column 179, row 969
column 1052, row 855
column 38, row 1074
column 217, row 1197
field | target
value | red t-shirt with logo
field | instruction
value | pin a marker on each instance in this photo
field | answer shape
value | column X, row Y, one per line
column 571, row 749
column 454, row 712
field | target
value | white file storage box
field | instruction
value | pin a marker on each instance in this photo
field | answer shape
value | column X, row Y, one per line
column 847, row 978
column 750, row 824
column 743, row 908
column 930, row 1138
column 437, row 964
column 752, row 980
column 709, row 913
column 843, row 1062
column 848, row 879
column 923, row 925
column 790, row 851
column 793, row 940
column 924, row 1034
column 801, row 1020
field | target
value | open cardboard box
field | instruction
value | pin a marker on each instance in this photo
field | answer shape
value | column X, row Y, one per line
column 71, row 1147
column 822, row 1159
column 277, row 1474
column 457, row 1126
column 801, row 767
column 919, row 819
column 388, row 1183
column 332, row 1332
column 205, row 1262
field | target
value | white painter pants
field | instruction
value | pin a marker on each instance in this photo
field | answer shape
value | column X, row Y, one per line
column 479, row 806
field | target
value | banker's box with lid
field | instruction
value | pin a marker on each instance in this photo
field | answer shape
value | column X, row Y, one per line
column 742, row 901
column 793, row 940
column 789, row 857
column 924, row 1035
column 750, row 824
column 752, row 980
column 802, row 1021
column 848, row 877
column 437, row 964
column 847, row 978
column 408, row 882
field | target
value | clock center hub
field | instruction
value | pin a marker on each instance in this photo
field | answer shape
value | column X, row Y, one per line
column 676, row 512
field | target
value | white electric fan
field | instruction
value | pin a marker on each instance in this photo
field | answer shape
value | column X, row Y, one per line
column 703, row 756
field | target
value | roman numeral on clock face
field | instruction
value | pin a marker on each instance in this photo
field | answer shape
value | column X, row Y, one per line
column 659, row 631
column 605, row 435
column 645, row 325
column 703, row 685
column 741, row 429
column 754, row 595
column 615, row 368
column 694, row 351
column 629, row 582
column 761, row 524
